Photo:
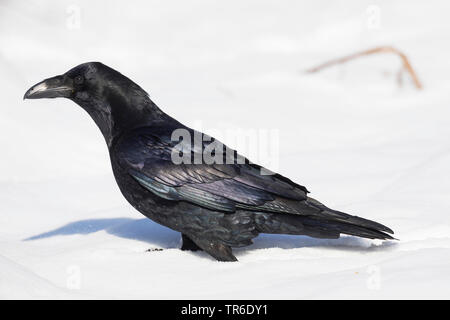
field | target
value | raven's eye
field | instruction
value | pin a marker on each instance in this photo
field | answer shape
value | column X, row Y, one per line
column 78, row 80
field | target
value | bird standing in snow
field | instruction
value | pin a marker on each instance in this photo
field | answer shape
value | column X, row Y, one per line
column 216, row 198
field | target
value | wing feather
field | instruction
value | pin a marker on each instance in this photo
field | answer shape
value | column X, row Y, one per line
column 215, row 186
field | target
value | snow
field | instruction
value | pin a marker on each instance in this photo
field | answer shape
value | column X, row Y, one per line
column 357, row 140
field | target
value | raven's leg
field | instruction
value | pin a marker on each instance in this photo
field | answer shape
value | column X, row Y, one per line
column 188, row 244
column 216, row 249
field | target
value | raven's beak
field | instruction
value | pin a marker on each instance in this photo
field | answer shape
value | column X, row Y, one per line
column 59, row 86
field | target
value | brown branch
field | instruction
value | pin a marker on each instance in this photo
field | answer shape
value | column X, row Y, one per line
column 402, row 56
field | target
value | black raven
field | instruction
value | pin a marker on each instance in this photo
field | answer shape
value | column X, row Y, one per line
column 216, row 205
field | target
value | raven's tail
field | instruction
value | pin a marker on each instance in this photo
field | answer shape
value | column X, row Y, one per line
column 321, row 222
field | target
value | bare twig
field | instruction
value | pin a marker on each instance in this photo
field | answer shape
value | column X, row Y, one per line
column 386, row 49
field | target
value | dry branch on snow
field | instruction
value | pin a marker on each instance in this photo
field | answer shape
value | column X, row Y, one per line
column 386, row 49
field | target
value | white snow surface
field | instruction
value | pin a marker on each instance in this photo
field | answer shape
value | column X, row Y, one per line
column 360, row 142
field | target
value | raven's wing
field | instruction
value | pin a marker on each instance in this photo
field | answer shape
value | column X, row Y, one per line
column 147, row 155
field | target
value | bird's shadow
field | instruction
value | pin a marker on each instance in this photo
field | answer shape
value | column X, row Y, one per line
column 159, row 236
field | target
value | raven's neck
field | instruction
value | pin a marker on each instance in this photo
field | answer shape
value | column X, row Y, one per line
column 117, row 113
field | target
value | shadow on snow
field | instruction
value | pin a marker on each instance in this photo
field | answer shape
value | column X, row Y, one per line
column 148, row 231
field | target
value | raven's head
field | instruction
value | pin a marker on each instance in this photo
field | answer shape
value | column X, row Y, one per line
column 84, row 82
column 114, row 102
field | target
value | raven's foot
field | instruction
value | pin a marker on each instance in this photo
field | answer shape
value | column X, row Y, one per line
column 154, row 249
column 216, row 249
column 188, row 244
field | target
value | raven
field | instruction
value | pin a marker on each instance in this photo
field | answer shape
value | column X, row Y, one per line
column 215, row 205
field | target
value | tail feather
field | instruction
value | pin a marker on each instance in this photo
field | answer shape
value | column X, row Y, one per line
column 335, row 215
column 345, row 228
column 321, row 222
